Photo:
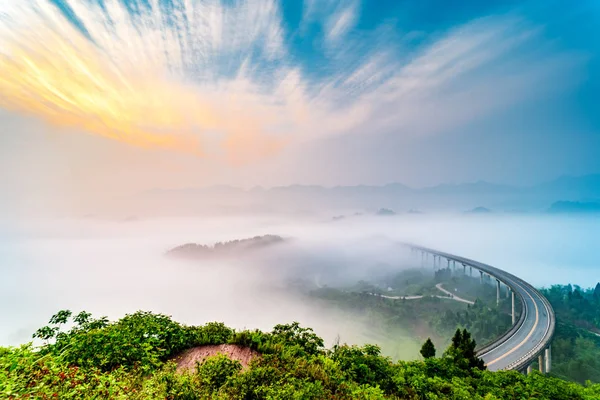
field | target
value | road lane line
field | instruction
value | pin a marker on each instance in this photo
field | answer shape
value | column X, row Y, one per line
column 526, row 311
column 537, row 318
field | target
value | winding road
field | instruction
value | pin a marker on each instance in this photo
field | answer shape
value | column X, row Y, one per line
column 452, row 295
column 449, row 296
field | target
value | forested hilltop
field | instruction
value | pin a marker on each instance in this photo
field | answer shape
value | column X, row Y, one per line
column 230, row 248
column 135, row 358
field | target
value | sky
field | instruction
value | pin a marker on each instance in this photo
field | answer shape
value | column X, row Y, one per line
column 99, row 98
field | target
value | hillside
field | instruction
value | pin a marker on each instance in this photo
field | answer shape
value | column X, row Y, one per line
column 576, row 344
column 233, row 247
column 133, row 359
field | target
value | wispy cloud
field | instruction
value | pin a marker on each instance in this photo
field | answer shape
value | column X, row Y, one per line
column 340, row 23
column 216, row 78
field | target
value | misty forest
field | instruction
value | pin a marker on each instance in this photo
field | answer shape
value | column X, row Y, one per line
column 299, row 199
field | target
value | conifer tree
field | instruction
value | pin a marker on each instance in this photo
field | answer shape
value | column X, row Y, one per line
column 428, row 349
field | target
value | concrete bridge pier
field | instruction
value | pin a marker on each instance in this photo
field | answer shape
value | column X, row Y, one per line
column 513, row 307
column 481, row 277
column 448, row 263
column 497, row 292
column 470, row 270
column 464, row 269
column 544, row 362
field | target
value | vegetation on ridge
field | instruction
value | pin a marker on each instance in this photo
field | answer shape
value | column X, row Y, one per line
column 130, row 359
column 576, row 342
column 193, row 250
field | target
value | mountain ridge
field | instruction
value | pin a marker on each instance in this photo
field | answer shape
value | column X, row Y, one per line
column 394, row 195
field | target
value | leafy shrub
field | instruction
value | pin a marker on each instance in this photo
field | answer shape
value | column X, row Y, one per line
column 216, row 370
column 140, row 340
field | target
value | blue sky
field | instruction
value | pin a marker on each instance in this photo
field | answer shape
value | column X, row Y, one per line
column 311, row 92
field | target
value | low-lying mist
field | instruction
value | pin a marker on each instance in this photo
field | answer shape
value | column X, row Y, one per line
column 112, row 268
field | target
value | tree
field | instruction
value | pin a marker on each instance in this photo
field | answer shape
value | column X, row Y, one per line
column 462, row 351
column 428, row 349
column 468, row 348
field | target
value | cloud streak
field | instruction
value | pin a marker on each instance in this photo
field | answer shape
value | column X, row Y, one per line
column 217, row 79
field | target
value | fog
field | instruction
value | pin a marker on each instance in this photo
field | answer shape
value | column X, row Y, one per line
column 115, row 267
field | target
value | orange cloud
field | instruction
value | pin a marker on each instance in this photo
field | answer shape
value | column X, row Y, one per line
column 71, row 83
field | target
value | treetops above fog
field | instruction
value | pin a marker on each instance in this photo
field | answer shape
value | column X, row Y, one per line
column 193, row 250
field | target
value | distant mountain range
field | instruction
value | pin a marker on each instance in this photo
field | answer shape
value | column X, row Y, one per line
column 479, row 210
column 574, row 207
column 394, row 196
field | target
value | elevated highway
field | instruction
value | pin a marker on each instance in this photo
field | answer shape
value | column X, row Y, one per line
column 530, row 335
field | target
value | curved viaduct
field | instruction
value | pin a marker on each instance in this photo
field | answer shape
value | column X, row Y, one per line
column 530, row 335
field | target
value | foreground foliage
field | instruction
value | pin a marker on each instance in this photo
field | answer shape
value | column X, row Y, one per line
column 129, row 359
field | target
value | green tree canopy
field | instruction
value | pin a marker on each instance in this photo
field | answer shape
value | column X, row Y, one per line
column 428, row 349
column 462, row 351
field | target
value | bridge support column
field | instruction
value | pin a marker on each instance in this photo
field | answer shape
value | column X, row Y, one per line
column 470, row 270
column 541, row 362
column 548, row 359
column 497, row 292
column 529, row 369
column 448, row 263
column 464, row 269
column 508, row 292
column 481, row 277
column 513, row 307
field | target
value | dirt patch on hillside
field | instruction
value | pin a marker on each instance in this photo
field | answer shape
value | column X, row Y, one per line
column 188, row 359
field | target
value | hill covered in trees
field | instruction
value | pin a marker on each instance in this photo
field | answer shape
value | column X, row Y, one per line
column 233, row 247
column 410, row 301
column 133, row 359
column 576, row 344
